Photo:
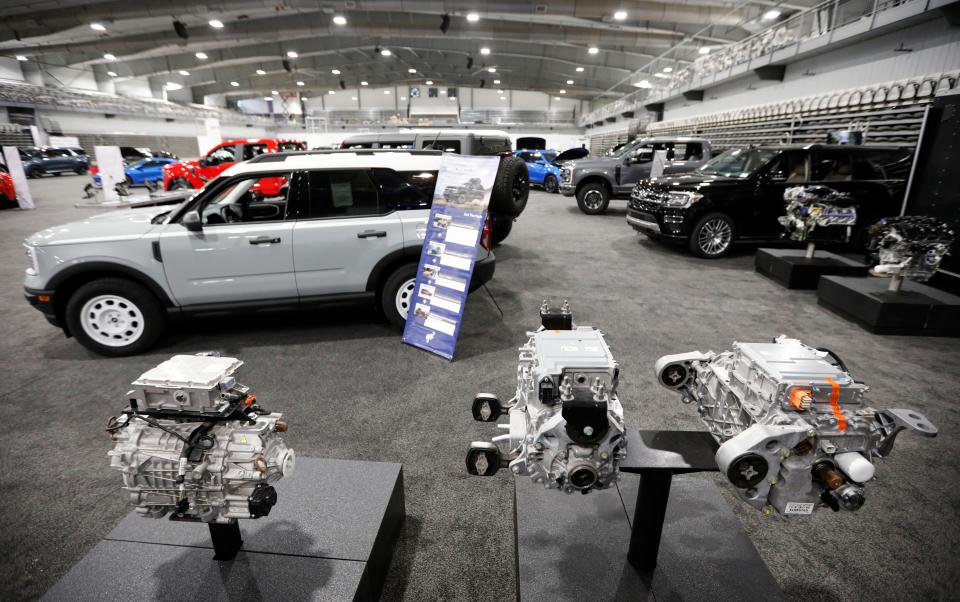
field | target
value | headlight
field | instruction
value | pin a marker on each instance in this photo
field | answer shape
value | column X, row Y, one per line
column 681, row 200
column 31, row 252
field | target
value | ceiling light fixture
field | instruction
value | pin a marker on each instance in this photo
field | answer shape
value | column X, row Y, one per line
column 473, row 17
column 292, row 54
column 429, row 82
column 668, row 69
column 620, row 15
column 556, row 98
column 503, row 98
column 20, row 57
column 261, row 72
column 661, row 75
column 704, row 50
column 403, row 98
column 386, row 91
column 173, row 86
column 235, row 84
column 304, row 98
column 339, row 20
column 331, row 92
column 353, row 98
column 593, row 50
column 97, row 27
column 109, row 57
column 563, row 91
column 274, row 92
column 364, row 83
column 301, row 84
column 499, row 91
column 183, row 72
column 335, row 71
column 484, row 50
column 201, row 55
column 216, row 24
column 411, row 70
column 569, row 82
column 771, row 14
column 112, row 73
column 643, row 83
column 579, row 69
column 385, row 52
column 492, row 69
column 268, row 98
column 496, row 82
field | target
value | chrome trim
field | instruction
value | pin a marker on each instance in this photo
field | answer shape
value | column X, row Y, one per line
column 639, row 223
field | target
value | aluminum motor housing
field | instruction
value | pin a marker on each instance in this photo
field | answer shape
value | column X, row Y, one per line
column 910, row 246
column 193, row 442
column 808, row 207
column 566, row 428
column 794, row 428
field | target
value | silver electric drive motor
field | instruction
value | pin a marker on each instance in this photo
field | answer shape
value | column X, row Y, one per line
column 794, row 429
column 808, row 207
column 910, row 246
column 194, row 442
column 565, row 426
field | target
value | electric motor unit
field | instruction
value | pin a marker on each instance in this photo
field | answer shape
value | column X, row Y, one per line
column 566, row 427
column 910, row 246
column 794, row 429
column 194, row 442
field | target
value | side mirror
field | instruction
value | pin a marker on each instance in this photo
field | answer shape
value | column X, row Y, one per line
column 204, row 162
column 192, row 222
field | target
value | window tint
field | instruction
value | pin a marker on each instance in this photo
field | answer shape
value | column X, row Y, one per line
column 790, row 168
column 426, row 181
column 447, row 146
column 885, row 164
column 342, row 194
column 490, row 145
column 402, row 144
column 528, row 157
column 398, row 192
column 831, row 167
column 56, row 152
column 243, row 200
column 223, row 154
column 252, row 150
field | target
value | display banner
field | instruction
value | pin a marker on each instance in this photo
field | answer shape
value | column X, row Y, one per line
column 110, row 166
column 12, row 159
column 456, row 221
column 659, row 163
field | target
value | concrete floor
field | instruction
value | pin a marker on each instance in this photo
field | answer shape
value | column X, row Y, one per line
column 350, row 389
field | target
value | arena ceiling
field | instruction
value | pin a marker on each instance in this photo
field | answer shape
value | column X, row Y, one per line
column 262, row 45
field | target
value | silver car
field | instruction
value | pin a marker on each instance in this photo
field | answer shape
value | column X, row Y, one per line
column 344, row 226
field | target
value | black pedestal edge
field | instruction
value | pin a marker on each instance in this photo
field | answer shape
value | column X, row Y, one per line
column 375, row 570
column 226, row 540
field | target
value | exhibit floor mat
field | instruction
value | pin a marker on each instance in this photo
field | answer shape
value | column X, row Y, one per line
column 331, row 537
column 574, row 547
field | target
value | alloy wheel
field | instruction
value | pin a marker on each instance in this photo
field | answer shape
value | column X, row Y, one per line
column 715, row 236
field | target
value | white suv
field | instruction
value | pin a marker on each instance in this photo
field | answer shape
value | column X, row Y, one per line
column 346, row 225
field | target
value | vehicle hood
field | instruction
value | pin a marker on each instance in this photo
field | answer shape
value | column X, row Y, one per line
column 572, row 154
column 691, row 181
column 121, row 224
column 592, row 164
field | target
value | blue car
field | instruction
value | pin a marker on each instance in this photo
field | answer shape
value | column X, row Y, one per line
column 142, row 171
column 541, row 168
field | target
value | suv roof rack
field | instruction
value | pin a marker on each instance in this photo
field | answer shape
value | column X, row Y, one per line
column 278, row 157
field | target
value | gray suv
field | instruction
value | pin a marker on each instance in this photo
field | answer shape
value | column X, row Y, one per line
column 343, row 226
column 594, row 181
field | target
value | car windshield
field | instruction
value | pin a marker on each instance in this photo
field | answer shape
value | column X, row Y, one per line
column 626, row 148
column 548, row 156
column 738, row 163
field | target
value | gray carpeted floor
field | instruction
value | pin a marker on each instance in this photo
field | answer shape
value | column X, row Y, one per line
column 350, row 389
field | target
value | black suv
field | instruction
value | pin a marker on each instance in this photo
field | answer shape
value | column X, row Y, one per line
column 738, row 195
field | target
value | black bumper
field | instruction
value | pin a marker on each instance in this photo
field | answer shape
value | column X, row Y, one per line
column 45, row 307
column 483, row 271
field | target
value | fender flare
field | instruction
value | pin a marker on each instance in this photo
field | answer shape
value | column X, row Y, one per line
column 107, row 268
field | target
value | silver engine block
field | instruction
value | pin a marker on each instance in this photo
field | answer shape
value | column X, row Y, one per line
column 910, row 246
column 194, row 442
column 794, row 430
column 566, row 427
column 810, row 206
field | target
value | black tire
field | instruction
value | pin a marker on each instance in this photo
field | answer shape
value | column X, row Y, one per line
column 35, row 172
column 500, row 227
column 593, row 198
column 511, row 188
column 56, row 174
column 81, row 170
column 150, row 308
column 550, row 184
column 401, row 277
column 179, row 184
column 712, row 236
column 129, row 181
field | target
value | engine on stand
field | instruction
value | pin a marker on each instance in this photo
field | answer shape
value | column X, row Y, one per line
column 193, row 442
column 794, row 429
column 909, row 247
column 566, row 428
column 809, row 207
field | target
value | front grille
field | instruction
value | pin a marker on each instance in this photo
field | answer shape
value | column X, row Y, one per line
column 644, row 197
column 643, row 216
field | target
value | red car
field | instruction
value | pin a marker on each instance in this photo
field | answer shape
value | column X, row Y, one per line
column 8, row 196
column 194, row 174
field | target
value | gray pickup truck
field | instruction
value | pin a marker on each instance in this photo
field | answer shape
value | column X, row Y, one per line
column 594, row 181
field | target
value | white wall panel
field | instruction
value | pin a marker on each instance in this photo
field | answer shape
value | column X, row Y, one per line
column 10, row 69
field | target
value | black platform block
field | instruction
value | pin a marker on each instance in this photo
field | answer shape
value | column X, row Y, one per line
column 330, row 537
column 916, row 309
column 791, row 268
column 574, row 547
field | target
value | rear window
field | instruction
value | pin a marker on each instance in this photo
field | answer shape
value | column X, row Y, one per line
column 401, row 192
column 446, row 145
column 405, row 144
column 491, row 145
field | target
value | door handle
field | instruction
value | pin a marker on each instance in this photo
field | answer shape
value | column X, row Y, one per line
column 264, row 240
column 372, row 234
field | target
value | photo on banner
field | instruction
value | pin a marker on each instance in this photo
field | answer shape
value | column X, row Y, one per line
column 449, row 253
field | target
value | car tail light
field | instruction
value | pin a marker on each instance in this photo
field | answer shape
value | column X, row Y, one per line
column 485, row 235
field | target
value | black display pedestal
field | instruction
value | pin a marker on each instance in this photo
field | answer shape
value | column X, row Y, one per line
column 576, row 547
column 330, row 537
column 792, row 269
column 226, row 540
column 916, row 309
